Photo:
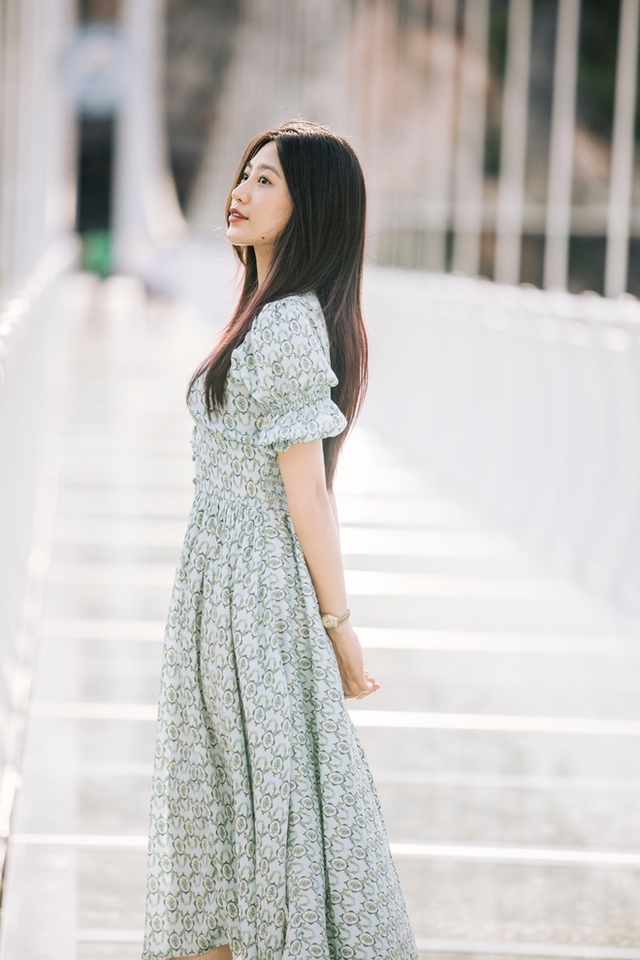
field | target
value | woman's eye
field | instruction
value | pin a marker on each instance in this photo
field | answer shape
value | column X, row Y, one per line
column 264, row 180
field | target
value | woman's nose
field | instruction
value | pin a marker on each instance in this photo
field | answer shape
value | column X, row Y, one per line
column 239, row 193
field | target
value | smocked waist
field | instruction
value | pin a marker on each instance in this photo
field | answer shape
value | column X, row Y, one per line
column 244, row 495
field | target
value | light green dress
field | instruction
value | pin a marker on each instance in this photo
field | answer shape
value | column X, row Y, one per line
column 266, row 831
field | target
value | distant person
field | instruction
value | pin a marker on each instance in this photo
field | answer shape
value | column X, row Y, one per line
column 267, row 841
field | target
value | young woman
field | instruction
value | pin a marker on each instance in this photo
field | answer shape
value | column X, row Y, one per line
column 267, row 841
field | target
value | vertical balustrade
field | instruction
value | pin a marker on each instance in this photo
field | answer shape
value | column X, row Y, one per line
column 560, row 175
column 372, row 97
column 622, row 152
column 36, row 143
column 513, row 145
column 441, row 101
column 469, row 160
column 9, row 139
column 146, row 207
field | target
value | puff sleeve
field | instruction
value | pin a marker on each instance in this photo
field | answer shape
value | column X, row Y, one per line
column 289, row 376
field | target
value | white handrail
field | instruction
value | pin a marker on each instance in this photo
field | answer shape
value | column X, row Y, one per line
column 33, row 325
column 527, row 402
column 17, row 309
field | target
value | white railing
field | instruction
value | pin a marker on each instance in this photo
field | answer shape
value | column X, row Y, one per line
column 37, row 198
column 34, row 323
column 413, row 94
column 527, row 402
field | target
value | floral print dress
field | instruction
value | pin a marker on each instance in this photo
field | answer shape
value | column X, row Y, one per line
column 265, row 828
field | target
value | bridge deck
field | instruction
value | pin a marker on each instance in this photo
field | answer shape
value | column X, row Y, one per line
column 505, row 740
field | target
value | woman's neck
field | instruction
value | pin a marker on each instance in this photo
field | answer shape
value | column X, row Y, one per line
column 263, row 262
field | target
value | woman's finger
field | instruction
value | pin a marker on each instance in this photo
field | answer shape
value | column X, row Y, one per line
column 359, row 688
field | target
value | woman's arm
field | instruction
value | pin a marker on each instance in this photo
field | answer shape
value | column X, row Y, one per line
column 315, row 521
column 334, row 510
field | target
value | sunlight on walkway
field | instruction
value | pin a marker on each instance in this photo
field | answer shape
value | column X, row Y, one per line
column 501, row 739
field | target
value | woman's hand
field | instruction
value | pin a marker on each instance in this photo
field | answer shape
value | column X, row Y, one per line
column 356, row 682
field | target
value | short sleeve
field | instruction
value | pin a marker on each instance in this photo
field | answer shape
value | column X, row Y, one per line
column 288, row 374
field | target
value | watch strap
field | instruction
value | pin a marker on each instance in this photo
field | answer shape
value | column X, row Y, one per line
column 329, row 622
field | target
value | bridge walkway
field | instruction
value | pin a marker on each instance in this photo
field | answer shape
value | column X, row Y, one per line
column 505, row 740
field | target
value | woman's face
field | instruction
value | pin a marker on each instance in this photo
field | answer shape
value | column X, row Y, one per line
column 260, row 204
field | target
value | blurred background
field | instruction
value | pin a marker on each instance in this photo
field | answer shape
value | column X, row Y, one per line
column 490, row 497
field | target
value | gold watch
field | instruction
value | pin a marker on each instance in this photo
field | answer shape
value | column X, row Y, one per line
column 330, row 622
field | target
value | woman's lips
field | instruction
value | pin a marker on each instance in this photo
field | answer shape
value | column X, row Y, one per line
column 235, row 215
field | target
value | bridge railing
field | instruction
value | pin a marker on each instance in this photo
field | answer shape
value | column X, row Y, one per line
column 527, row 402
column 34, row 328
column 37, row 147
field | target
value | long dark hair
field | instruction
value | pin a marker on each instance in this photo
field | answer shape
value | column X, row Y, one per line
column 321, row 249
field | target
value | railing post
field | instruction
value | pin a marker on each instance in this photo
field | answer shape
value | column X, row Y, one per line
column 469, row 164
column 622, row 152
column 560, row 176
column 513, row 149
column 146, row 207
column 373, row 125
column 442, row 69
column 9, row 137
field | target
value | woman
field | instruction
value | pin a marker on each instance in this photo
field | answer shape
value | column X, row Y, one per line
column 267, row 841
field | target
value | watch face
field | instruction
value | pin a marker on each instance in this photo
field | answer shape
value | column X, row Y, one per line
column 331, row 622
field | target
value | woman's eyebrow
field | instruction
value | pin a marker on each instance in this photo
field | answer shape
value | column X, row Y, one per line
column 263, row 166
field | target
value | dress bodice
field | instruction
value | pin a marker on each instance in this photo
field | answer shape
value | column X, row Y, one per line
column 278, row 393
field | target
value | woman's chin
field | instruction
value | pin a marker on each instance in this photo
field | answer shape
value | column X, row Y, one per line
column 235, row 236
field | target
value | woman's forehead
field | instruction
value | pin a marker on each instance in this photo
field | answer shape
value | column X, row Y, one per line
column 268, row 154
